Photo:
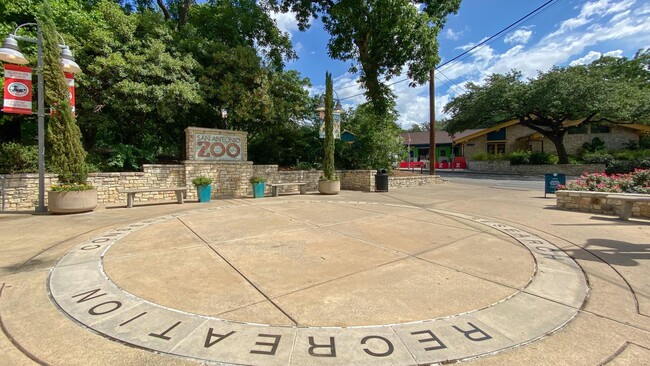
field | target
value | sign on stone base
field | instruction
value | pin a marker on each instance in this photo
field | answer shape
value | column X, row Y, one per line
column 208, row 144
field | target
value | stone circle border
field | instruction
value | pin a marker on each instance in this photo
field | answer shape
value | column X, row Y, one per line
column 81, row 289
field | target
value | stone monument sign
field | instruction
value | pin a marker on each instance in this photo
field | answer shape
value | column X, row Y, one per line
column 208, row 144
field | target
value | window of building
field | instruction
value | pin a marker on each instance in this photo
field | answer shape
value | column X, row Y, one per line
column 443, row 152
column 600, row 129
column 498, row 135
column 577, row 130
column 496, row 148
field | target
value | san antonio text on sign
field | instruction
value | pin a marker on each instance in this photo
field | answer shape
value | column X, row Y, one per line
column 218, row 147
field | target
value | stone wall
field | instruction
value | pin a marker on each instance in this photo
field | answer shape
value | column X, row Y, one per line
column 22, row 189
column 358, row 180
column 230, row 179
column 415, row 181
column 503, row 166
column 597, row 202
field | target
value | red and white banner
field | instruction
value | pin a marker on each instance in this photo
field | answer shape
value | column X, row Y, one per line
column 18, row 89
column 69, row 78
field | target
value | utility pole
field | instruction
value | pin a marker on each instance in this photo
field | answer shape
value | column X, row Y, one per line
column 432, row 124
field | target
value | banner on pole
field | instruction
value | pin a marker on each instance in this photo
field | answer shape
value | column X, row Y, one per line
column 336, row 128
column 69, row 78
column 18, row 89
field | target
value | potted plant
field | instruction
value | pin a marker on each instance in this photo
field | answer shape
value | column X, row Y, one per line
column 258, row 186
column 329, row 183
column 73, row 194
column 203, row 187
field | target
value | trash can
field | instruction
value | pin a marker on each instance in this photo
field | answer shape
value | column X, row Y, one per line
column 381, row 181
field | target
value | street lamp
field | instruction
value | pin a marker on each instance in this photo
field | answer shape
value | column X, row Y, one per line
column 338, row 108
column 11, row 53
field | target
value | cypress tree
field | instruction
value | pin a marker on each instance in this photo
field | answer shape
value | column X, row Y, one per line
column 67, row 155
column 328, row 158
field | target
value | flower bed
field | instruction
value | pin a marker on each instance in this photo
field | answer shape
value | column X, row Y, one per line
column 635, row 182
column 590, row 193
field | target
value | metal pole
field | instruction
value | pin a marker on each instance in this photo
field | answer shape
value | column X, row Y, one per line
column 4, row 189
column 41, row 124
column 432, row 124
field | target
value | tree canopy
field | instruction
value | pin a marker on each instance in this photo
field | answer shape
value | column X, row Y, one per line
column 146, row 78
column 612, row 90
column 380, row 37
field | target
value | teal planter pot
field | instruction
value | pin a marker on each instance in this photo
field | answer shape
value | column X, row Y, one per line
column 204, row 193
column 258, row 190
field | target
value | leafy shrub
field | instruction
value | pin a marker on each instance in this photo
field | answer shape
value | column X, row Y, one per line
column 257, row 180
column 305, row 165
column 636, row 182
column 597, row 157
column 521, row 157
column 69, row 187
column 595, row 145
column 632, row 154
column 489, row 157
column 17, row 158
column 620, row 166
column 201, row 181
column 542, row 158
column 525, row 157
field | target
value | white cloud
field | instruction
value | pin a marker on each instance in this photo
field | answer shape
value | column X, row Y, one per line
column 286, row 22
column 450, row 34
column 586, row 59
column 576, row 41
column 518, row 36
column 470, row 45
column 616, row 53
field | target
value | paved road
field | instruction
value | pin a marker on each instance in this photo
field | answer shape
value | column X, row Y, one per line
column 503, row 181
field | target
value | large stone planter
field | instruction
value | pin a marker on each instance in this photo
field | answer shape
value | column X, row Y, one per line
column 71, row 202
column 329, row 186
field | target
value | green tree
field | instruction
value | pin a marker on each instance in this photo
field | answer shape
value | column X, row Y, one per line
column 67, row 155
column 380, row 37
column 328, row 141
column 377, row 142
column 608, row 90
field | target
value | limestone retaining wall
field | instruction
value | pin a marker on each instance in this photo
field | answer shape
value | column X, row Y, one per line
column 597, row 202
column 230, row 179
column 503, row 166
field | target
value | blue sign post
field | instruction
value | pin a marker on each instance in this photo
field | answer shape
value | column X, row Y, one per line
column 551, row 181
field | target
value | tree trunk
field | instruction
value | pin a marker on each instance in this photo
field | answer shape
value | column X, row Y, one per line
column 558, row 141
column 164, row 9
column 184, row 11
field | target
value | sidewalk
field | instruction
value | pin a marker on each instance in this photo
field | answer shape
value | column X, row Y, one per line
column 411, row 276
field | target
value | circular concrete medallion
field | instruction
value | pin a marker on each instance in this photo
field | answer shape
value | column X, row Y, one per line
column 79, row 284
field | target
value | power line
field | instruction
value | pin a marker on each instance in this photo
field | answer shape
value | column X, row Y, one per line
column 517, row 23
column 453, row 87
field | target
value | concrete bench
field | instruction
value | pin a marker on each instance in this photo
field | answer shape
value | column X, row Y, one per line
column 130, row 193
column 274, row 187
column 628, row 203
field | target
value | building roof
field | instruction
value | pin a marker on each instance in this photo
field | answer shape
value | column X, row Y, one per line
column 442, row 137
column 465, row 136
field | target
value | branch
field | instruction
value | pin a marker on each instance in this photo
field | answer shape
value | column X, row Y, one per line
column 185, row 8
column 164, row 9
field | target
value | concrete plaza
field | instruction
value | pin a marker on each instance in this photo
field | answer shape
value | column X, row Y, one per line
column 427, row 275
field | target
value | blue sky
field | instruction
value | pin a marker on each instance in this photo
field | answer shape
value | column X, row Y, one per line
column 568, row 32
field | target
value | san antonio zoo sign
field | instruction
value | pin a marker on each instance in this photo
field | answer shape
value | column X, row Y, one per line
column 215, row 145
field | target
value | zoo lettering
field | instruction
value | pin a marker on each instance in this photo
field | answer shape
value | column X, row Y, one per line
column 215, row 146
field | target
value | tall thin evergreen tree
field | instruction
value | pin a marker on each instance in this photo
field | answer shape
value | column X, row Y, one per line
column 328, row 142
column 67, row 155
